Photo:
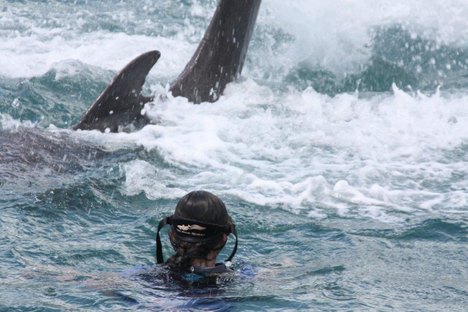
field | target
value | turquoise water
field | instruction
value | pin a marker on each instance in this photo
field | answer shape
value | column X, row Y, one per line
column 342, row 154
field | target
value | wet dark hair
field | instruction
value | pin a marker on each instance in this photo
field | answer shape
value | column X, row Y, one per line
column 199, row 225
column 202, row 206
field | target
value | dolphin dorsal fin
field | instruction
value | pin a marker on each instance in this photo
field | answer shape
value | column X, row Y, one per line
column 121, row 102
column 220, row 55
column 217, row 61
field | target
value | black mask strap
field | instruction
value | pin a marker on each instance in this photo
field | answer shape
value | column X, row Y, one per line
column 159, row 253
column 234, row 232
column 168, row 220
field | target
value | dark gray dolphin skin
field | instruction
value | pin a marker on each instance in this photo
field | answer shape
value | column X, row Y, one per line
column 121, row 102
column 220, row 55
column 217, row 61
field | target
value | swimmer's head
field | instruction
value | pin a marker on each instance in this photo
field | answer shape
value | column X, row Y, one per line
column 200, row 219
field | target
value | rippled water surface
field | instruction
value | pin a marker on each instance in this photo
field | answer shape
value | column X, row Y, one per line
column 342, row 154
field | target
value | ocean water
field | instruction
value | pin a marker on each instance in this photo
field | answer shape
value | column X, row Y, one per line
column 341, row 153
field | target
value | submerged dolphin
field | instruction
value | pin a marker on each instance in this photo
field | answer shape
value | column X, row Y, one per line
column 217, row 61
column 41, row 159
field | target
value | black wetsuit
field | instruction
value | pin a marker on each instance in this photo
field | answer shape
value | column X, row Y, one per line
column 202, row 276
column 203, row 288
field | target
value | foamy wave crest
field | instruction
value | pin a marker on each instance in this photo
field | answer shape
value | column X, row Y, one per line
column 339, row 36
column 27, row 56
column 309, row 152
column 9, row 123
column 142, row 177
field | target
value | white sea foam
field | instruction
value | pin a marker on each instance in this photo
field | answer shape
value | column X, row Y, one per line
column 9, row 123
column 377, row 156
column 329, row 34
column 337, row 34
column 31, row 56
column 142, row 177
column 308, row 152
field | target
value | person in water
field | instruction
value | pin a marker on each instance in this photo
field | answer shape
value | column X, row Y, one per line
column 200, row 227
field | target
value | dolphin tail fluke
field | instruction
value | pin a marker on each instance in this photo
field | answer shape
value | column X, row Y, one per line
column 120, row 104
column 220, row 55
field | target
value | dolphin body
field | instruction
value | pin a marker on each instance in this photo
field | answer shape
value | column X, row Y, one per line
column 217, row 61
column 40, row 159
